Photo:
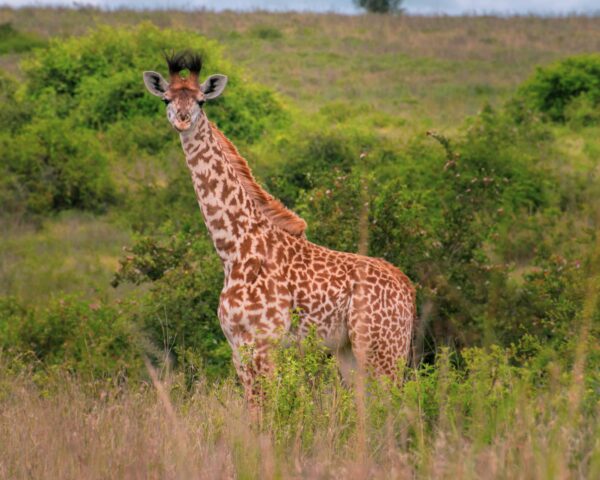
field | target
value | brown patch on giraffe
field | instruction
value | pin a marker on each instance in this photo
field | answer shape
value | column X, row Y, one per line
column 280, row 255
column 219, row 170
column 254, row 295
column 270, row 296
column 237, row 272
column 202, row 154
column 218, row 223
column 226, row 190
column 252, row 268
column 224, row 245
column 238, row 330
column 245, row 247
column 206, row 184
column 255, row 319
column 211, row 210
column 237, row 222
column 233, row 295
column 260, row 247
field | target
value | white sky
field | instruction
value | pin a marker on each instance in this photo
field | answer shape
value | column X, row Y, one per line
column 450, row 7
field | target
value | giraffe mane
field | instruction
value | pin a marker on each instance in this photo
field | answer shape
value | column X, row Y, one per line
column 272, row 208
column 178, row 61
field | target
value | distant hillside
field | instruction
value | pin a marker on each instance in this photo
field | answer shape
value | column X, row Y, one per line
column 428, row 70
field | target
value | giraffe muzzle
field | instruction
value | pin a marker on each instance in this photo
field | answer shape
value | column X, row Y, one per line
column 184, row 117
column 182, row 122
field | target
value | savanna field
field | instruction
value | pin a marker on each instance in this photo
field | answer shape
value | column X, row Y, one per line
column 464, row 150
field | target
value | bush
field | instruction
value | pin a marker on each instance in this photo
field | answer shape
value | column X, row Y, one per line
column 58, row 166
column 179, row 313
column 99, row 79
column 266, row 32
column 552, row 89
column 583, row 111
column 93, row 341
column 380, row 6
column 13, row 114
column 84, row 106
column 13, row 41
column 438, row 219
column 545, row 311
column 322, row 180
column 302, row 392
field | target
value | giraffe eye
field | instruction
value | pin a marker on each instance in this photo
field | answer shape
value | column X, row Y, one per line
column 166, row 100
column 201, row 103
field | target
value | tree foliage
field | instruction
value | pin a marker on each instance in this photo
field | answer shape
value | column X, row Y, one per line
column 380, row 6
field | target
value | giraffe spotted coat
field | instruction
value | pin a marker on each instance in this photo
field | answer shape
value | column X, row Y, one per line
column 363, row 308
column 359, row 306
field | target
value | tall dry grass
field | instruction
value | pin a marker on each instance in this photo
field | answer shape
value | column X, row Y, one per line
column 155, row 430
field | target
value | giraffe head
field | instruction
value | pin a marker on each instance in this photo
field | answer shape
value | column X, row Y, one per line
column 184, row 95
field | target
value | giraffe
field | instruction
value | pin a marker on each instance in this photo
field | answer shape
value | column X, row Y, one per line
column 362, row 308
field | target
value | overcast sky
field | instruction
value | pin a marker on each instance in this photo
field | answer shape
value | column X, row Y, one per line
column 450, row 7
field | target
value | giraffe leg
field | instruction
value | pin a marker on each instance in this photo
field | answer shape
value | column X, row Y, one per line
column 253, row 317
column 252, row 363
column 347, row 364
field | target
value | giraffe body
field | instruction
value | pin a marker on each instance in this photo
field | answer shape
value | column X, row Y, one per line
column 363, row 308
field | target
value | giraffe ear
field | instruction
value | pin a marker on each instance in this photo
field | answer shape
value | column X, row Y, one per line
column 213, row 86
column 155, row 83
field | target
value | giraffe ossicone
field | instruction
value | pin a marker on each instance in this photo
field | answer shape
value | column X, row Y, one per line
column 362, row 308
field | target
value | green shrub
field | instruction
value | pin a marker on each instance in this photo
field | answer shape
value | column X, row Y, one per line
column 13, row 114
column 99, row 77
column 380, row 6
column 157, row 208
column 84, row 106
column 303, row 391
column 266, row 32
column 436, row 220
column 332, row 210
column 58, row 166
column 13, row 41
column 583, row 111
column 552, row 89
column 94, row 341
column 545, row 311
column 179, row 313
column 309, row 152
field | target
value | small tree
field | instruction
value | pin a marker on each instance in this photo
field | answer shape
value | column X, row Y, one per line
column 380, row 6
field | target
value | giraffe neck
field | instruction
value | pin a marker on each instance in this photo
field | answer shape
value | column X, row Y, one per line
column 229, row 213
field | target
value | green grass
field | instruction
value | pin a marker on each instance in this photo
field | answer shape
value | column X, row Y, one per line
column 14, row 41
column 429, row 70
column 73, row 253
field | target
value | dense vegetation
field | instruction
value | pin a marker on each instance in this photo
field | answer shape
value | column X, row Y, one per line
column 380, row 6
column 495, row 222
